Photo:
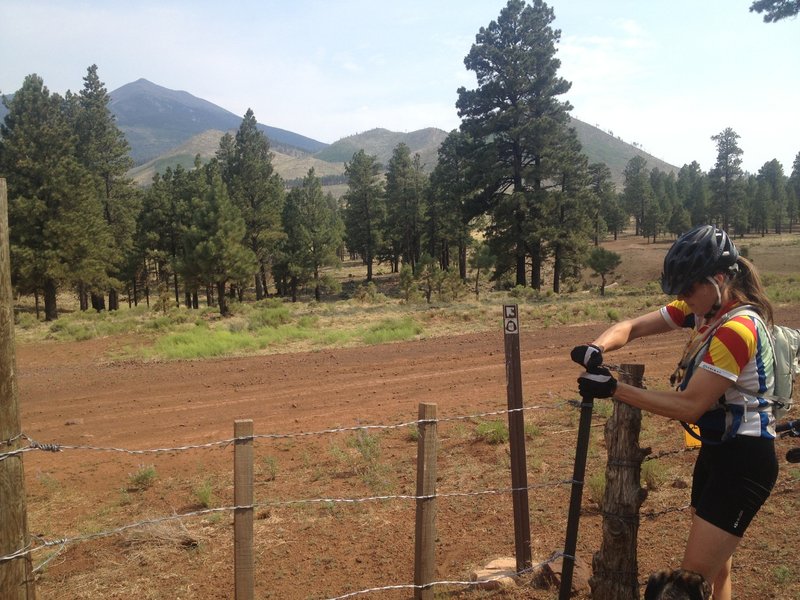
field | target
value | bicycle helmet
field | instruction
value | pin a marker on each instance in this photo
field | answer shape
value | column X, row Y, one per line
column 697, row 254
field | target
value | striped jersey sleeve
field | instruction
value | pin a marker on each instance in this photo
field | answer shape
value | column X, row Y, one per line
column 678, row 314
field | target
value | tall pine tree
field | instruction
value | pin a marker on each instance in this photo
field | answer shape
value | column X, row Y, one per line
column 57, row 232
column 257, row 191
column 365, row 207
column 516, row 112
column 103, row 151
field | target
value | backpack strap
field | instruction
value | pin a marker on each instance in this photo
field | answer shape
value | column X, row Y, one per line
column 748, row 310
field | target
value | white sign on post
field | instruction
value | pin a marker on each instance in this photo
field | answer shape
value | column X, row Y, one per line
column 510, row 319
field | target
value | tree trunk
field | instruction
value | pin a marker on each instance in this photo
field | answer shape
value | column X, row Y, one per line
column 98, row 302
column 222, row 299
column 113, row 300
column 462, row 261
column 259, row 286
column 557, row 272
column 36, row 303
column 50, row 305
column 615, row 569
column 264, row 280
column 177, row 293
column 83, row 298
column 536, row 265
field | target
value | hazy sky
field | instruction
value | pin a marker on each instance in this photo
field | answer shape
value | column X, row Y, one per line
column 667, row 74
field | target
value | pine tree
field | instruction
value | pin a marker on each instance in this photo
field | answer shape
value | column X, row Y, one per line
column 215, row 251
column 726, row 176
column 102, row 149
column 448, row 216
column 365, row 207
column 405, row 207
column 569, row 209
column 257, row 191
column 57, row 233
column 793, row 193
column 637, row 193
column 314, row 232
column 515, row 112
column 774, row 182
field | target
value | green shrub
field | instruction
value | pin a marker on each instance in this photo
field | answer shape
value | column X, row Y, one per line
column 269, row 468
column 493, row 432
column 204, row 493
column 596, row 485
column 143, row 478
column 653, row 474
column 392, row 330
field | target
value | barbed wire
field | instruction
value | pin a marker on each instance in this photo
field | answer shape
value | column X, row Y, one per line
column 271, row 504
column 476, row 583
column 55, row 447
column 62, row 543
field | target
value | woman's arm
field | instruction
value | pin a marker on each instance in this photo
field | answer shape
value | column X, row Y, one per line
column 703, row 390
column 623, row 332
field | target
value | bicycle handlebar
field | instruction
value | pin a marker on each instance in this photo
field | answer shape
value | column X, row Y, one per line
column 793, row 426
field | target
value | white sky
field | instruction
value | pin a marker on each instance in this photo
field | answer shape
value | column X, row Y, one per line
column 666, row 74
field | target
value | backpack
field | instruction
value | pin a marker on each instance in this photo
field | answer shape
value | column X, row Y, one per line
column 785, row 343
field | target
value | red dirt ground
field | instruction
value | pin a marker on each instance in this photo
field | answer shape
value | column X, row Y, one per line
column 70, row 395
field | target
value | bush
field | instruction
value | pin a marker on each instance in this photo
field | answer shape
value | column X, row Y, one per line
column 143, row 478
column 493, row 432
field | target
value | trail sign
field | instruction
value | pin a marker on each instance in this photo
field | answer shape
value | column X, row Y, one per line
column 510, row 319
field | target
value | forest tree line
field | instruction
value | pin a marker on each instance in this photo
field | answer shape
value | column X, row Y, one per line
column 514, row 172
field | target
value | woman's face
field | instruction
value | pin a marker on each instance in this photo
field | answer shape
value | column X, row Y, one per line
column 701, row 297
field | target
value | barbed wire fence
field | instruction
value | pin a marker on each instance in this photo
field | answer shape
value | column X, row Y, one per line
column 39, row 544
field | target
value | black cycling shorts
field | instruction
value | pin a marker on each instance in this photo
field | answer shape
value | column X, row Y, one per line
column 732, row 480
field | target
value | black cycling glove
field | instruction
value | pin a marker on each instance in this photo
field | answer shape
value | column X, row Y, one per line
column 599, row 383
column 588, row 356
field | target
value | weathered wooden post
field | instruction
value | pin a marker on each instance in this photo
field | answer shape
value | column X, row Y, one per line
column 615, row 569
column 425, row 530
column 16, row 575
column 243, row 514
column 516, row 430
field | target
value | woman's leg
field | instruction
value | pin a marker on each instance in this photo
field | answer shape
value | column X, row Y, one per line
column 709, row 552
column 722, row 584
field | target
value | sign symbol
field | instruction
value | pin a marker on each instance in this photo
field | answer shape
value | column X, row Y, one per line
column 510, row 319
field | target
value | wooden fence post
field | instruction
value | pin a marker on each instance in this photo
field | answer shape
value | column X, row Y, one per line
column 243, row 517
column 516, row 432
column 425, row 530
column 615, row 569
column 16, row 575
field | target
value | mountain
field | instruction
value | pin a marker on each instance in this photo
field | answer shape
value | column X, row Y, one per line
column 155, row 120
column 168, row 127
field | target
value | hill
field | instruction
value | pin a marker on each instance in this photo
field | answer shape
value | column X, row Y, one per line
column 289, row 166
column 382, row 142
column 155, row 120
column 600, row 146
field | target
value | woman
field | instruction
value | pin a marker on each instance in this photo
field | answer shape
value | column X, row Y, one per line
column 725, row 373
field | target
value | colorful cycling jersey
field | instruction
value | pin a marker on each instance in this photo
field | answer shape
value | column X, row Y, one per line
column 738, row 350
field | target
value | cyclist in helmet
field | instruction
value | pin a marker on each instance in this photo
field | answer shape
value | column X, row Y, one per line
column 729, row 352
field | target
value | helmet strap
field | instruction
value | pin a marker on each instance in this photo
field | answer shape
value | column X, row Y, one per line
column 718, row 303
